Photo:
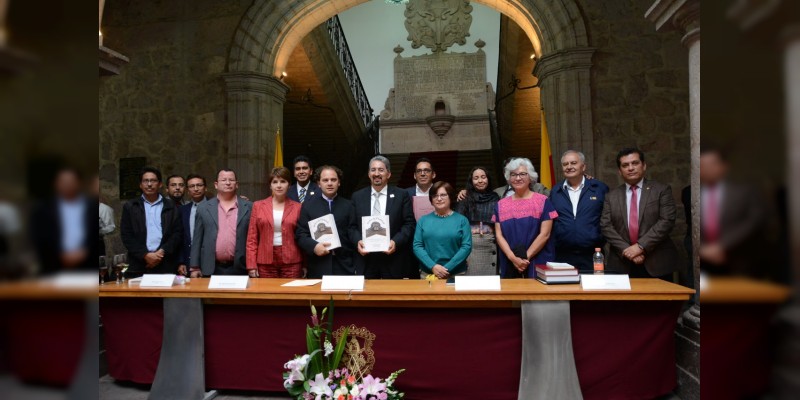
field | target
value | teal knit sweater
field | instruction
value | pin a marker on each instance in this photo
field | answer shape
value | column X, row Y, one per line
column 444, row 241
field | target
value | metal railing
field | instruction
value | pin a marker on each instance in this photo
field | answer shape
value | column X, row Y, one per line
column 349, row 67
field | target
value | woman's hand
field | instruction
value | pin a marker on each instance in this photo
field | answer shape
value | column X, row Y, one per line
column 253, row 273
column 440, row 271
column 520, row 264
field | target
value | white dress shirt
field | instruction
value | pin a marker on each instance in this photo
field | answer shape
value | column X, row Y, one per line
column 574, row 195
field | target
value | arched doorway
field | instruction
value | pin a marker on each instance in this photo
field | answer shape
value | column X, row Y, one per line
column 269, row 32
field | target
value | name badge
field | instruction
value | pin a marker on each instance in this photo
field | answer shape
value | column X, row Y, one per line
column 605, row 282
column 481, row 283
column 157, row 280
column 228, row 282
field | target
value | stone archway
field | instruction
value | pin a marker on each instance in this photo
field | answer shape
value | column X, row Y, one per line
column 269, row 32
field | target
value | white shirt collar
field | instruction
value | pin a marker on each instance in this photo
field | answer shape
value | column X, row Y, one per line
column 568, row 187
column 383, row 191
column 640, row 184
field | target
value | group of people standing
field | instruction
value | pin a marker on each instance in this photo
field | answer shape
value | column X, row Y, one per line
column 478, row 230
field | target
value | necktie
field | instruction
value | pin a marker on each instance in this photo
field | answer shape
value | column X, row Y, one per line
column 302, row 196
column 376, row 205
column 192, row 215
column 633, row 218
column 711, row 217
column 330, row 205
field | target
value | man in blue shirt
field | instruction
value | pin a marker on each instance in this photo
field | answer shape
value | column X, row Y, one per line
column 579, row 202
column 151, row 229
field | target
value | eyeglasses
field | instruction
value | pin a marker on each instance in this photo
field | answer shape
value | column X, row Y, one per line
column 520, row 175
column 149, row 181
column 424, row 170
column 441, row 196
column 196, row 185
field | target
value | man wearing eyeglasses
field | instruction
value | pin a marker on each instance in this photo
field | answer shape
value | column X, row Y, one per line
column 196, row 186
column 382, row 199
column 424, row 175
column 220, row 231
column 151, row 229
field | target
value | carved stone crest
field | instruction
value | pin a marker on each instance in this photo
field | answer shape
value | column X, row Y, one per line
column 438, row 24
column 358, row 357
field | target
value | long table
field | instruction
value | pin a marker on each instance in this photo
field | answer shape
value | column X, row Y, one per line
column 528, row 340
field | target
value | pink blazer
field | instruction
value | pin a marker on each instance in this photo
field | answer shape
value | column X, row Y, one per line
column 260, row 233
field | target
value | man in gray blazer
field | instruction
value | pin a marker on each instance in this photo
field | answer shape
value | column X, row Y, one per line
column 220, row 231
column 637, row 220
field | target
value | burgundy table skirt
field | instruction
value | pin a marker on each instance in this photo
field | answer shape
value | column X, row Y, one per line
column 41, row 342
column 623, row 350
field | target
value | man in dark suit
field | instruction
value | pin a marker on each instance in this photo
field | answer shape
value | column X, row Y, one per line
column 196, row 186
column 220, row 231
column 424, row 175
column 637, row 220
column 304, row 185
column 381, row 199
column 151, row 229
column 64, row 226
column 321, row 260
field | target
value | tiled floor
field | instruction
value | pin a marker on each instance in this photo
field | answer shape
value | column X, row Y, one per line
column 111, row 389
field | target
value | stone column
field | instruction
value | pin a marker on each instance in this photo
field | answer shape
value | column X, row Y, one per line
column 566, row 98
column 255, row 111
column 99, row 22
column 791, row 70
column 3, row 33
column 684, row 15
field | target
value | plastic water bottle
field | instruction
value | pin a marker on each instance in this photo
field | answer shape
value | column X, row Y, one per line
column 599, row 261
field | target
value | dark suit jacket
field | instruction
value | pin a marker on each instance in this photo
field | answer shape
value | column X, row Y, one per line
column 412, row 191
column 186, row 249
column 46, row 236
column 204, row 243
column 133, row 231
column 401, row 229
column 313, row 190
column 341, row 260
column 656, row 220
column 742, row 220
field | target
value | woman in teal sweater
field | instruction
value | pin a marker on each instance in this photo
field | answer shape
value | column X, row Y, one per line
column 443, row 239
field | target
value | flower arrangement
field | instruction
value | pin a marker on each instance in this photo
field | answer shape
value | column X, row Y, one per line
column 316, row 374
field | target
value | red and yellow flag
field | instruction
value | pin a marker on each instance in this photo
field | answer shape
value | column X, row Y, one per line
column 546, row 173
column 278, row 161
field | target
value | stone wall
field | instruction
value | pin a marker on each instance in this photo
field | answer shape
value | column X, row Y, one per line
column 168, row 104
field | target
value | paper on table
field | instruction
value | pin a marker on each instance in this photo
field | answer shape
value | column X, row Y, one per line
column 605, row 282
column 559, row 265
column 422, row 206
column 323, row 229
column 302, row 282
column 375, row 233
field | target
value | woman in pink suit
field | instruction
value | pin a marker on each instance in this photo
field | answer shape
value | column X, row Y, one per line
column 271, row 249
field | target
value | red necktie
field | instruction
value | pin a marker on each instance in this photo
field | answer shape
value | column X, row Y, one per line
column 633, row 218
column 711, row 217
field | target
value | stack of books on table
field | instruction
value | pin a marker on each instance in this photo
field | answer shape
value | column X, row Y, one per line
column 555, row 272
